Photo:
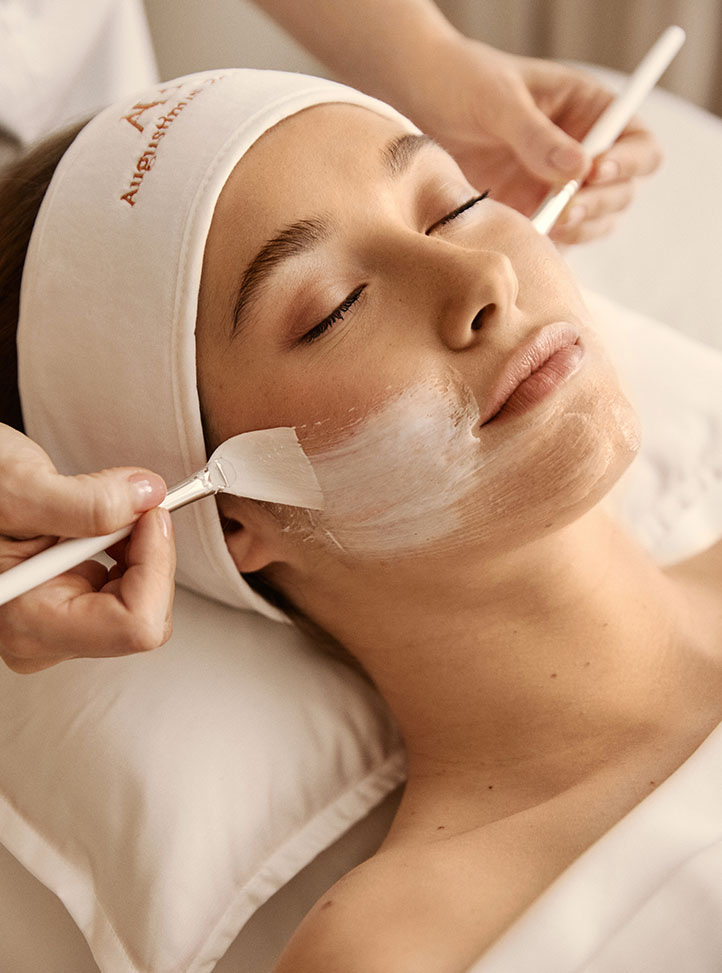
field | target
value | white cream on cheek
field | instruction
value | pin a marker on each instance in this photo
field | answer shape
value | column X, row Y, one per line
column 419, row 473
column 394, row 483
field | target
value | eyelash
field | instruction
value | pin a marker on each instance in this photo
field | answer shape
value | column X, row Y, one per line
column 334, row 316
column 339, row 313
column 457, row 212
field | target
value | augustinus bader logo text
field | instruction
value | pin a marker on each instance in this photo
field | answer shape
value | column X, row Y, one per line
column 137, row 118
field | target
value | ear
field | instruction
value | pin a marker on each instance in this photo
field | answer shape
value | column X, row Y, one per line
column 250, row 548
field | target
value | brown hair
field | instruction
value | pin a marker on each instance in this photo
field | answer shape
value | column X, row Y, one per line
column 23, row 185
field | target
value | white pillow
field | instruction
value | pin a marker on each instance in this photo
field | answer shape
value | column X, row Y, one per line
column 165, row 797
column 671, row 497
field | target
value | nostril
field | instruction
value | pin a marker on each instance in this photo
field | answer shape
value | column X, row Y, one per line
column 479, row 317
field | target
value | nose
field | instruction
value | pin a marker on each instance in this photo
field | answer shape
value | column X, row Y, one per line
column 464, row 292
column 475, row 292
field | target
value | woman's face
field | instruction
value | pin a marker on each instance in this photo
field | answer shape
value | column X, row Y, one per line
column 388, row 321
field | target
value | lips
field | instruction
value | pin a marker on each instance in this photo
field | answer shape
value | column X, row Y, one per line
column 535, row 370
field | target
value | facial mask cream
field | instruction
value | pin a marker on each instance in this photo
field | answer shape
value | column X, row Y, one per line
column 420, row 473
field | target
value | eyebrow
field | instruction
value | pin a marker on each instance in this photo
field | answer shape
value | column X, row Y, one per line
column 402, row 150
column 306, row 235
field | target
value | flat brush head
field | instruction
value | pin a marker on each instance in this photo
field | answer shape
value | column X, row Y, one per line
column 266, row 464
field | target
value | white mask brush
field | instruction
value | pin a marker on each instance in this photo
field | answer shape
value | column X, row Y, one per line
column 611, row 122
column 267, row 464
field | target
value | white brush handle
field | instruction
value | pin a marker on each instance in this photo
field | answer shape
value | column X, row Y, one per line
column 66, row 554
column 611, row 122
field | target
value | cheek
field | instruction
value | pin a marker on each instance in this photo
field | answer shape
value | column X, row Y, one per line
column 418, row 474
column 393, row 481
column 544, row 277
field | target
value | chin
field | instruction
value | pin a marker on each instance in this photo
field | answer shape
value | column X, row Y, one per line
column 554, row 464
column 595, row 459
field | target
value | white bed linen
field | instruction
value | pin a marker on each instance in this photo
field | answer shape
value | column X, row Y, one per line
column 646, row 896
column 37, row 933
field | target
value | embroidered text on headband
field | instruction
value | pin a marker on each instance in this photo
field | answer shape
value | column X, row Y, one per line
column 106, row 345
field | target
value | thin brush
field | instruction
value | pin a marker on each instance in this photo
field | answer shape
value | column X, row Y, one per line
column 267, row 464
column 611, row 122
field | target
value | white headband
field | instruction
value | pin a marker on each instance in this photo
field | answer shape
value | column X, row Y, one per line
column 106, row 344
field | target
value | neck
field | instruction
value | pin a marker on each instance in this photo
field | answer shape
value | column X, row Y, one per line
column 577, row 642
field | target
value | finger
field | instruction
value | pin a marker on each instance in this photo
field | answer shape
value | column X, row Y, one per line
column 543, row 148
column 147, row 586
column 635, row 153
column 137, row 606
column 44, row 502
column 117, row 552
column 31, row 638
column 95, row 573
column 585, row 231
column 13, row 551
column 593, row 203
column 115, row 573
column 129, row 615
column 26, row 666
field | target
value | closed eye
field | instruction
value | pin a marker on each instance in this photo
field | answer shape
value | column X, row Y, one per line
column 340, row 312
column 335, row 315
column 450, row 217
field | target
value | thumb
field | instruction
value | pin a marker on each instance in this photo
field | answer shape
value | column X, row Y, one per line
column 93, row 503
column 543, row 148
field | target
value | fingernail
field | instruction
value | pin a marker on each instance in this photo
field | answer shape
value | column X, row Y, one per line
column 165, row 524
column 565, row 158
column 148, row 491
column 606, row 171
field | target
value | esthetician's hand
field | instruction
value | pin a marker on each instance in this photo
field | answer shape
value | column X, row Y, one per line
column 511, row 123
column 88, row 611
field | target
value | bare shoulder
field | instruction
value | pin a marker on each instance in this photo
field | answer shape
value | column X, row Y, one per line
column 430, row 907
column 346, row 930
column 379, row 917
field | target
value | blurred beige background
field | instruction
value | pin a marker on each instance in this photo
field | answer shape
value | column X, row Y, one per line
column 199, row 35
column 192, row 35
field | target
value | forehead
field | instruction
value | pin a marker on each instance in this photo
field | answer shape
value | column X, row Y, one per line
column 313, row 163
column 312, row 159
